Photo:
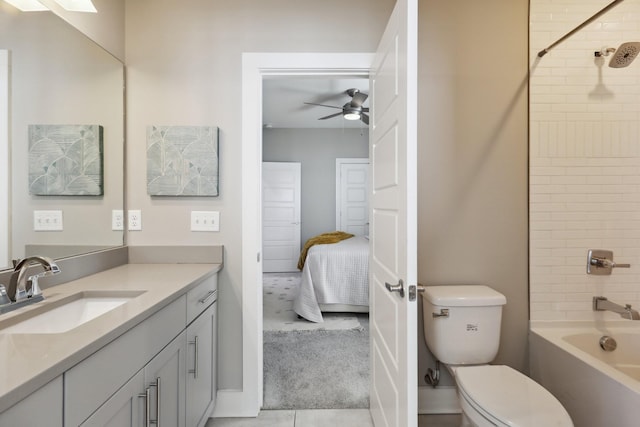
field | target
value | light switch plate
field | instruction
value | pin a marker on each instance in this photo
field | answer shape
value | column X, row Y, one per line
column 134, row 217
column 205, row 221
column 47, row 220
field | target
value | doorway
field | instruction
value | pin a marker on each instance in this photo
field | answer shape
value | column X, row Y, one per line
column 298, row 352
column 255, row 67
column 401, row 33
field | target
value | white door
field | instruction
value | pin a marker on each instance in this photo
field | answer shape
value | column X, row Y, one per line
column 393, row 134
column 280, row 216
column 352, row 196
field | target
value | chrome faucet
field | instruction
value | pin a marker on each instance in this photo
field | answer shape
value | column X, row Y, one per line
column 19, row 288
column 626, row 312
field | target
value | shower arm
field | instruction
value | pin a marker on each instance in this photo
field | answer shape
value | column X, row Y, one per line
column 611, row 5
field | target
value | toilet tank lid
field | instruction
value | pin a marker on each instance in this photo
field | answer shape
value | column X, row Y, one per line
column 463, row 296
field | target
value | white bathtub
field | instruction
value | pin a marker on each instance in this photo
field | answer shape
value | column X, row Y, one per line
column 598, row 388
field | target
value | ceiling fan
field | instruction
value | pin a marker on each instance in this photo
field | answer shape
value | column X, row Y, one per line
column 352, row 110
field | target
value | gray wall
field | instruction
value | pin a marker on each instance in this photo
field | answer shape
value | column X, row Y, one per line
column 473, row 156
column 184, row 63
column 183, row 67
column 316, row 150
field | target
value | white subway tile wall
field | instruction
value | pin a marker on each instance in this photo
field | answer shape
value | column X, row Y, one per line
column 584, row 158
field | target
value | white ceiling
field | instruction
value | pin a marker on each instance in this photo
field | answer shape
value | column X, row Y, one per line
column 284, row 98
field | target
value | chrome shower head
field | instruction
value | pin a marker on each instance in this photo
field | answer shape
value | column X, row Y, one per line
column 625, row 55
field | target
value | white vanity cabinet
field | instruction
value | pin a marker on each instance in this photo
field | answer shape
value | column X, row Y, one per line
column 161, row 372
column 155, row 393
column 42, row 408
column 91, row 383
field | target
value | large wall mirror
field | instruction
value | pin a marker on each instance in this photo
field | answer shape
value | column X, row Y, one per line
column 55, row 76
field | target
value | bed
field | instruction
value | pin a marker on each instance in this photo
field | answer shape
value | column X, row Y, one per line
column 335, row 278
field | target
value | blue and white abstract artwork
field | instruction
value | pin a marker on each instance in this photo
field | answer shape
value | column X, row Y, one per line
column 182, row 160
column 66, row 160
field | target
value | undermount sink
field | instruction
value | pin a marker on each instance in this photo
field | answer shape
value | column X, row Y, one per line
column 66, row 314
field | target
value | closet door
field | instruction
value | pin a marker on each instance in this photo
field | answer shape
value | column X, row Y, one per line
column 352, row 196
column 280, row 216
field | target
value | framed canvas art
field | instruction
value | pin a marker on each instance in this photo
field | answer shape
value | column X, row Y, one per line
column 182, row 161
column 66, row 160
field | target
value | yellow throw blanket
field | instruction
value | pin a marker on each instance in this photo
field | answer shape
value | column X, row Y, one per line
column 321, row 239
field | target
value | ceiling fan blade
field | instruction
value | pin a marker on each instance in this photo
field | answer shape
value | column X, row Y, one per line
column 358, row 99
column 364, row 118
column 365, row 109
column 329, row 97
column 328, row 117
column 323, row 105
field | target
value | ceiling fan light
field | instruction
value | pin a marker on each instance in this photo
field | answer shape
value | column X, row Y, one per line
column 27, row 5
column 352, row 116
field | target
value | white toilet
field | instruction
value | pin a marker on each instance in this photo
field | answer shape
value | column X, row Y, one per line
column 462, row 330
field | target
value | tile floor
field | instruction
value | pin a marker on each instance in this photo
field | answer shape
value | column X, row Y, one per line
column 324, row 418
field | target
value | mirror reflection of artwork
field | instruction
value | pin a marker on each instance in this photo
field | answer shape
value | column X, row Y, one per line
column 65, row 160
column 182, row 160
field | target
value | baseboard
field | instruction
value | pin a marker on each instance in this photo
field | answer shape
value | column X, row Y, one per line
column 233, row 403
column 440, row 400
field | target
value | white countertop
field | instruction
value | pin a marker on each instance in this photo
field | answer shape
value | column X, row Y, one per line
column 29, row 361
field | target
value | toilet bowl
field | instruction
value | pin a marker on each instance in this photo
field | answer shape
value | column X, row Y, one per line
column 497, row 395
column 462, row 330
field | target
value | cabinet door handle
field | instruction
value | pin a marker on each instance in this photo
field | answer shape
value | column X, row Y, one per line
column 157, row 420
column 147, row 409
column 194, row 371
column 207, row 296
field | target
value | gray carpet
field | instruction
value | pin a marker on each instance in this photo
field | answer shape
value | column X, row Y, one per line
column 319, row 369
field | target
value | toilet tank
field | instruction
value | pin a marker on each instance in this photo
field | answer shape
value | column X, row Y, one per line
column 470, row 333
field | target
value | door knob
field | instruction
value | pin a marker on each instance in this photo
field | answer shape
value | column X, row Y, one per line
column 396, row 288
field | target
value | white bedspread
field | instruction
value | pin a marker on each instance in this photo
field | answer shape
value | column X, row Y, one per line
column 336, row 273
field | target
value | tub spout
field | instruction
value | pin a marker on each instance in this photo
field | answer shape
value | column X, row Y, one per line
column 626, row 312
column 630, row 313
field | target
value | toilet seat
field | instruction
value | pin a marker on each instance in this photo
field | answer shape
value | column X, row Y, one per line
column 508, row 398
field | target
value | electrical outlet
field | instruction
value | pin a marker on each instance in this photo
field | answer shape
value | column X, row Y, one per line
column 205, row 221
column 47, row 220
column 135, row 220
column 117, row 220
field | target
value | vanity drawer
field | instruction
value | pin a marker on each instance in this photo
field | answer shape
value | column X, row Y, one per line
column 201, row 297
